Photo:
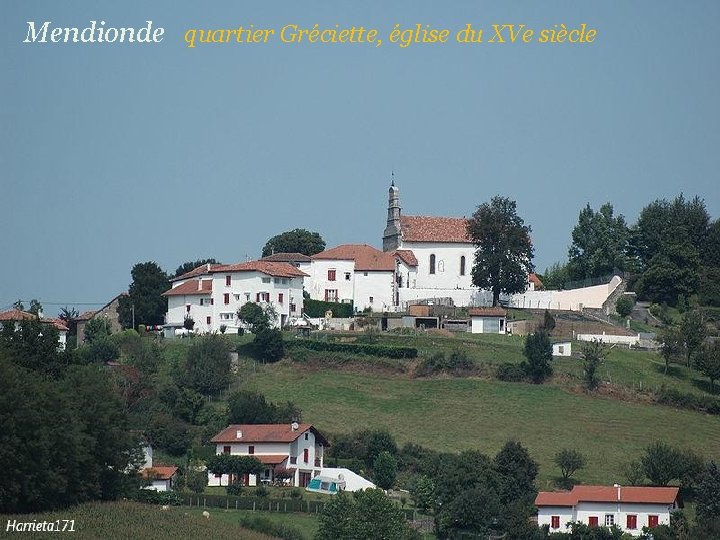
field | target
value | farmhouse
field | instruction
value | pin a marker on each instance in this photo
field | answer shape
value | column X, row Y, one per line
column 212, row 294
column 299, row 448
column 631, row 508
column 16, row 318
column 161, row 478
column 109, row 311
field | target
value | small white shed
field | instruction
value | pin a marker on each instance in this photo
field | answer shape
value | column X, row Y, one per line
column 488, row 320
column 562, row 348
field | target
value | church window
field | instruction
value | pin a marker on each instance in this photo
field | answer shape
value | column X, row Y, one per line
column 441, row 266
column 432, row 264
column 462, row 265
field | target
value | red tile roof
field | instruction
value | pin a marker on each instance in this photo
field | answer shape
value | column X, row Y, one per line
column 190, row 288
column 487, row 312
column 434, row 229
column 264, row 433
column 628, row 494
column 85, row 316
column 367, row 258
column 275, row 269
column 16, row 315
column 535, row 280
column 57, row 323
column 199, row 271
column 407, row 256
column 159, row 472
column 287, row 257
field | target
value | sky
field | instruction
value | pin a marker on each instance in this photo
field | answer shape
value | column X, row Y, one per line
column 114, row 154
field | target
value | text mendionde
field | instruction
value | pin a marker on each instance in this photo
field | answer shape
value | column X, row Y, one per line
column 97, row 32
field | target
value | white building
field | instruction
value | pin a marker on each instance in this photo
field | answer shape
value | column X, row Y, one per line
column 490, row 320
column 630, row 508
column 299, row 448
column 562, row 348
column 213, row 293
column 161, row 478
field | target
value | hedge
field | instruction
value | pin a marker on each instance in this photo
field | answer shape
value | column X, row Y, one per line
column 355, row 348
column 318, row 308
column 669, row 396
column 151, row 496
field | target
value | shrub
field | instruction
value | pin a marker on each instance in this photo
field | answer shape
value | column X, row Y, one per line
column 456, row 363
column 296, row 493
column 318, row 308
column 624, row 305
column 150, row 496
column 234, row 489
column 268, row 344
column 366, row 348
column 510, row 372
column 261, row 491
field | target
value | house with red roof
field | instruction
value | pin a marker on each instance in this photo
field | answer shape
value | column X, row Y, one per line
column 629, row 507
column 16, row 318
column 298, row 448
column 211, row 294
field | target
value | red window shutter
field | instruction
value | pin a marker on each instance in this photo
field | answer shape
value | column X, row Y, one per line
column 652, row 521
column 251, row 449
column 226, row 298
column 208, row 320
column 280, row 297
column 555, row 522
column 306, row 456
column 226, row 449
column 331, row 275
column 593, row 521
column 227, row 280
column 632, row 522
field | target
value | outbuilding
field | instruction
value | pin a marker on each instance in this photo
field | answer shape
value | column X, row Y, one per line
column 488, row 320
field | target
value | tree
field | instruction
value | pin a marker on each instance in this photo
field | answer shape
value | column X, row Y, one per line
column 624, row 305
column 18, row 304
column 189, row 323
column 144, row 296
column 234, row 466
column 186, row 267
column 423, row 492
column 97, row 328
column 68, row 316
column 673, row 345
column 518, row 472
column 367, row 514
column 197, row 481
column 206, row 368
column 661, row 463
column 503, row 258
column 556, row 276
column 35, row 307
column 247, row 407
column 33, row 345
column 708, row 496
column 593, row 355
column 549, row 323
column 295, row 241
column 599, row 243
column 257, row 317
column 385, row 468
column 538, row 352
column 268, row 345
column 569, row 461
column 707, row 362
column 693, row 331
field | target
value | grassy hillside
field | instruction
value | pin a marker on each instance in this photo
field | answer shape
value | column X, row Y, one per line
column 459, row 414
column 134, row 520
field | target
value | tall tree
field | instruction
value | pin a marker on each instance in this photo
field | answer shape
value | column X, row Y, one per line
column 144, row 296
column 207, row 364
column 672, row 345
column 385, row 469
column 599, row 243
column 186, row 267
column 538, row 352
column 569, row 461
column 35, row 307
column 708, row 496
column 556, row 276
column 593, row 353
column 295, row 241
column 707, row 362
column 503, row 258
column 693, row 331
column 69, row 315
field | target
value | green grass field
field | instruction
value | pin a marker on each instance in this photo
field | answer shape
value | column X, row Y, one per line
column 459, row 414
column 306, row 524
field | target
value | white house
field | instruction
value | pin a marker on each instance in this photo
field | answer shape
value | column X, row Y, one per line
column 630, row 508
column 299, row 448
column 161, row 478
column 213, row 293
column 16, row 317
column 489, row 320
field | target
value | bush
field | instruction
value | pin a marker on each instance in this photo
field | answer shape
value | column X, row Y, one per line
column 296, row 493
column 456, row 363
column 317, row 308
column 368, row 349
column 261, row 491
column 624, row 305
column 268, row 344
column 234, row 489
column 510, row 372
column 670, row 396
column 150, row 496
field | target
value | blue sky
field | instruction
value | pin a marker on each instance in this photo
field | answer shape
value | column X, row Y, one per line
column 113, row 155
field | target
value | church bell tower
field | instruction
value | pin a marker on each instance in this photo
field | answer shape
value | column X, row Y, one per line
column 392, row 235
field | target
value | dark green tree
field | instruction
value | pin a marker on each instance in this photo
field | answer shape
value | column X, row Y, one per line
column 69, row 316
column 504, row 251
column 385, row 469
column 549, row 323
column 206, row 368
column 707, row 362
column 661, row 463
column 268, row 345
column 538, row 352
column 423, row 492
column 35, row 307
column 197, row 481
column 518, row 472
column 248, row 407
column 569, row 461
column 708, row 497
column 556, row 276
column 694, row 333
column 379, row 441
column 144, row 296
column 599, row 243
column 624, row 305
column 295, row 241
column 672, row 345
column 186, row 267
column 594, row 353
column 33, row 345
column 97, row 328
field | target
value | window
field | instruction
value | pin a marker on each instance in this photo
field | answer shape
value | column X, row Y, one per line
column 201, row 301
column 284, row 281
column 554, row 522
column 226, row 298
column 347, row 276
column 187, row 308
column 207, row 320
column 441, row 266
column 306, row 455
column 228, row 280
column 331, row 275
column 631, row 522
column 331, row 295
column 218, row 475
column 462, row 265
column 593, row 521
column 609, row 520
column 306, row 436
column 371, row 299
column 276, row 281
column 226, row 449
column 432, row 264
column 212, row 301
column 266, row 280
column 264, row 296
column 280, row 298
column 251, row 449
column 293, row 309
column 652, row 521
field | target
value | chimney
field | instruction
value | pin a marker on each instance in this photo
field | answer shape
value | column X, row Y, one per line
column 618, row 491
column 238, row 434
column 208, row 267
column 294, row 426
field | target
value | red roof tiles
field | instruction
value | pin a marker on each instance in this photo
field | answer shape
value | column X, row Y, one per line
column 287, row 257
column 487, row 312
column 434, row 229
column 532, row 278
column 407, row 256
column 367, row 258
column 275, row 269
column 159, row 473
column 627, row 494
column 190, row 288
column 16, row 315
column 264, row 433
column 199, row 271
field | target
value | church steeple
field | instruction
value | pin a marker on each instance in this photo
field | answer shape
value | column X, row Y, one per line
column 392, row 234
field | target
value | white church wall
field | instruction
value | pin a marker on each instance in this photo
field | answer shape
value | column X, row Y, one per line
column 447, row 264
